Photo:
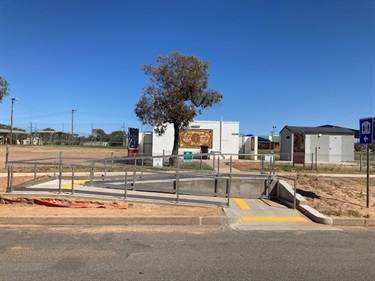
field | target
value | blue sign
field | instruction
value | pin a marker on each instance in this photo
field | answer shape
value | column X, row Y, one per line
column 366, row 131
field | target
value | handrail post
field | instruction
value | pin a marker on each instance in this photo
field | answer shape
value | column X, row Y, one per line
column 72, row 189
column 142, row 166
column 11, row 178
column 177, row 187
column 178, row 162
column 60, row 176
column 54, row 169
column 134, row 172
column 92, row 172
column 229, row 187
column 216, row 185
column 218, row 163
column 8, row 180
column 213, row 161
column 126, row 186
column 231, row 163
column 34, row 173
column 271, row 164
column 295, row 195
column 6, row 156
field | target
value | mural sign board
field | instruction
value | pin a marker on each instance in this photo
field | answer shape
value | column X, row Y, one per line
column 195, row 138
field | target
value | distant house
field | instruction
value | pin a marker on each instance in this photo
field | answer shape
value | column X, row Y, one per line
column 324, row 144
column 5, row 135
column 269, row 142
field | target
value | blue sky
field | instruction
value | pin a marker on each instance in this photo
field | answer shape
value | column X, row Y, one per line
column 277, row 62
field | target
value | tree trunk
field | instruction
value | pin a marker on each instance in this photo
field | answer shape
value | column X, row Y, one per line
column 176, row 143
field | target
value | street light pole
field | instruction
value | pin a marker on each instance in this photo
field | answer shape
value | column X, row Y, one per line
column 11, row 121
column 272, row 134
column 73, row 110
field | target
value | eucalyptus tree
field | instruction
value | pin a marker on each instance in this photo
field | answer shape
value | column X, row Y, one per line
column 4, row 88
column 177, row 94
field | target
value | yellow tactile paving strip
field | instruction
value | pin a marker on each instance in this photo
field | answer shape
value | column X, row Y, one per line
column 241, row 203
column 273, row 218
column 76, row 183
column 245, row 207
column 69, row 186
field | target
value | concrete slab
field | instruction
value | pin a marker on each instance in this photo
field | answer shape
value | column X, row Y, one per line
column 264, row 214
column 52, row 187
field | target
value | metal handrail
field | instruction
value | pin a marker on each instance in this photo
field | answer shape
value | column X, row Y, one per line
column 294, row 188
column 130, row 166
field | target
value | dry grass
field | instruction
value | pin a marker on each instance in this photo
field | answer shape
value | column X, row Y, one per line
column 334, row 190
column 338, row 196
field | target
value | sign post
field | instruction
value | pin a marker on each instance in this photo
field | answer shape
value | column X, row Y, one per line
column 366, row 137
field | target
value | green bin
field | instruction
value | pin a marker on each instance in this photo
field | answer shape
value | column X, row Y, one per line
column 204, row 149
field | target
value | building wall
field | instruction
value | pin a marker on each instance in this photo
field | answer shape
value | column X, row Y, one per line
column 248, row 145
column 319, row 144
column 347, row 148
column 286, row 145
column 335, row 148
column 224, row 138
column 329, row 148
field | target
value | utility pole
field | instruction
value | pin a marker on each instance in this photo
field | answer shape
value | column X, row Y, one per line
column 11, row 121
column 272, row 134
column 31, row 133
column 123, row 134
column 72, row 133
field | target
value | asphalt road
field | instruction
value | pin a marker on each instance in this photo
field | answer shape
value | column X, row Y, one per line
column 184, row 253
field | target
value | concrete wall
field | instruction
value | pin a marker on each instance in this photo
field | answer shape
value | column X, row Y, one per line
column 225, row 138
column 241, row 186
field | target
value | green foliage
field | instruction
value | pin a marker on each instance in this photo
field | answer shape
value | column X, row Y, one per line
column 4, row 88
column 7, row 127
column 359, row 147
column 101, row 136
column 117, row 137
column 4, row 126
